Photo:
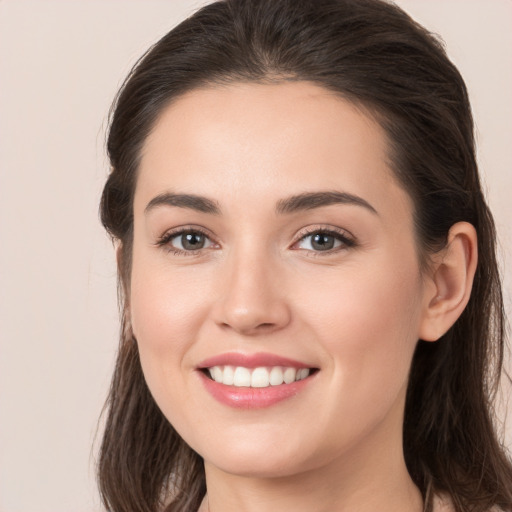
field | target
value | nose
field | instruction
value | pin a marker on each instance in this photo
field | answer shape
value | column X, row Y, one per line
column 253, row 297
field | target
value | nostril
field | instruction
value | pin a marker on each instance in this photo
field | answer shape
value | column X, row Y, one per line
column 247, row 327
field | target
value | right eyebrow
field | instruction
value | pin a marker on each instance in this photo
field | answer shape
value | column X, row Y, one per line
column 311, row 200
column 191, row 201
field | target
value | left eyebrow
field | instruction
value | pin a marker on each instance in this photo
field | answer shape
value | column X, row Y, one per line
column 310, row 200
column 190, row 201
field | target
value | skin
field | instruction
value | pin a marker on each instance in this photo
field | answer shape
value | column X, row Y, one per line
column 354, row 312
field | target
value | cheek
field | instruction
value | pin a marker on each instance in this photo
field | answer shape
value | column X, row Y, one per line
column 161, row 301
column 367, row 320
column 167, row 310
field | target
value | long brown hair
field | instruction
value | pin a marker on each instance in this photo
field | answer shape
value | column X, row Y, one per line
column 372, row 53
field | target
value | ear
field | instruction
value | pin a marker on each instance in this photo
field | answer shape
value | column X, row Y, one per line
column 449, row 283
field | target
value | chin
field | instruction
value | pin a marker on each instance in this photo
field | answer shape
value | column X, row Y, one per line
column 259, row 468
column 257, row 460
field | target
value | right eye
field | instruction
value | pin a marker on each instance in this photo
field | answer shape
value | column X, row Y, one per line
column 190, row 241
column 185, row 241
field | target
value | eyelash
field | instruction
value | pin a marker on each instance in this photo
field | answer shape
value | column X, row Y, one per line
column 347, row 240
column 165, row 240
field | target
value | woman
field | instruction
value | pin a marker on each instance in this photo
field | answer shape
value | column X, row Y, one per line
column 312, row 312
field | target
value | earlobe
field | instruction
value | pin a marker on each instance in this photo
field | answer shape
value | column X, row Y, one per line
column 450, row 282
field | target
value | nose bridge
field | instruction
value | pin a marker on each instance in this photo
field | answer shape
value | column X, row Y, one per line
column 253, row 298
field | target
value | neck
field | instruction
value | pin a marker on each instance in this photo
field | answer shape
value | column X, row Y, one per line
column 303, row 494
column 372, row 476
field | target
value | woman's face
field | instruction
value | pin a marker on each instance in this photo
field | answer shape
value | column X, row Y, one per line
column 272, row 243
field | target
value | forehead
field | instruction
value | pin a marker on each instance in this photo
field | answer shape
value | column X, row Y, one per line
column 256, row 141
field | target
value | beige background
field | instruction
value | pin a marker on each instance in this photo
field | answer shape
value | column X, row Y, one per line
column 60, row 65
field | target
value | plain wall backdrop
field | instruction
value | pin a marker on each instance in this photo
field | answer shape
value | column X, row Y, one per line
column 61, row 63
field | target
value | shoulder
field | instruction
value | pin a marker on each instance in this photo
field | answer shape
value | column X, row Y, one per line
column 443, row 503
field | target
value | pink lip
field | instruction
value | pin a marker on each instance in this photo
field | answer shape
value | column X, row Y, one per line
column 253, row 398
column 246, row 397
column 250, row 361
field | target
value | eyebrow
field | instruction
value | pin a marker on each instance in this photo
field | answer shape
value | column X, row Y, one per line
column 292, row 204
column 310, row 200
column 191, row 201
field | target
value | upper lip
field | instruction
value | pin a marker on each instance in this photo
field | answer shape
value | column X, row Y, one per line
column 251, row 361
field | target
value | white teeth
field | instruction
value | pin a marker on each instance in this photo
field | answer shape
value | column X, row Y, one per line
column 228, row 376
column 261, row 377
column 289, row 375
column 276, row 376
column 242, row 377
column 217, row 373
column 302, row 373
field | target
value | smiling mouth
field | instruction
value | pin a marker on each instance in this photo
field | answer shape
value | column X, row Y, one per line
column 260, row 377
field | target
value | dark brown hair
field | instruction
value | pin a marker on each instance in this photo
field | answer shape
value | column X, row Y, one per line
column 372, row 53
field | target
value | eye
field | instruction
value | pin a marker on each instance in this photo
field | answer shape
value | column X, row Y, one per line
column 191, row 241
column 185, row 241
column 324, row 241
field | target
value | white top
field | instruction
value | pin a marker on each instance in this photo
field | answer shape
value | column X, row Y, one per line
column 442, row 504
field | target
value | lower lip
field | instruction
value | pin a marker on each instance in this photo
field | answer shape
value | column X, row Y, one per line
column 253, row 398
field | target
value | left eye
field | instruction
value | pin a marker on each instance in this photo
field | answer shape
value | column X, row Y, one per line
column 190, row 241
column 322, row 241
